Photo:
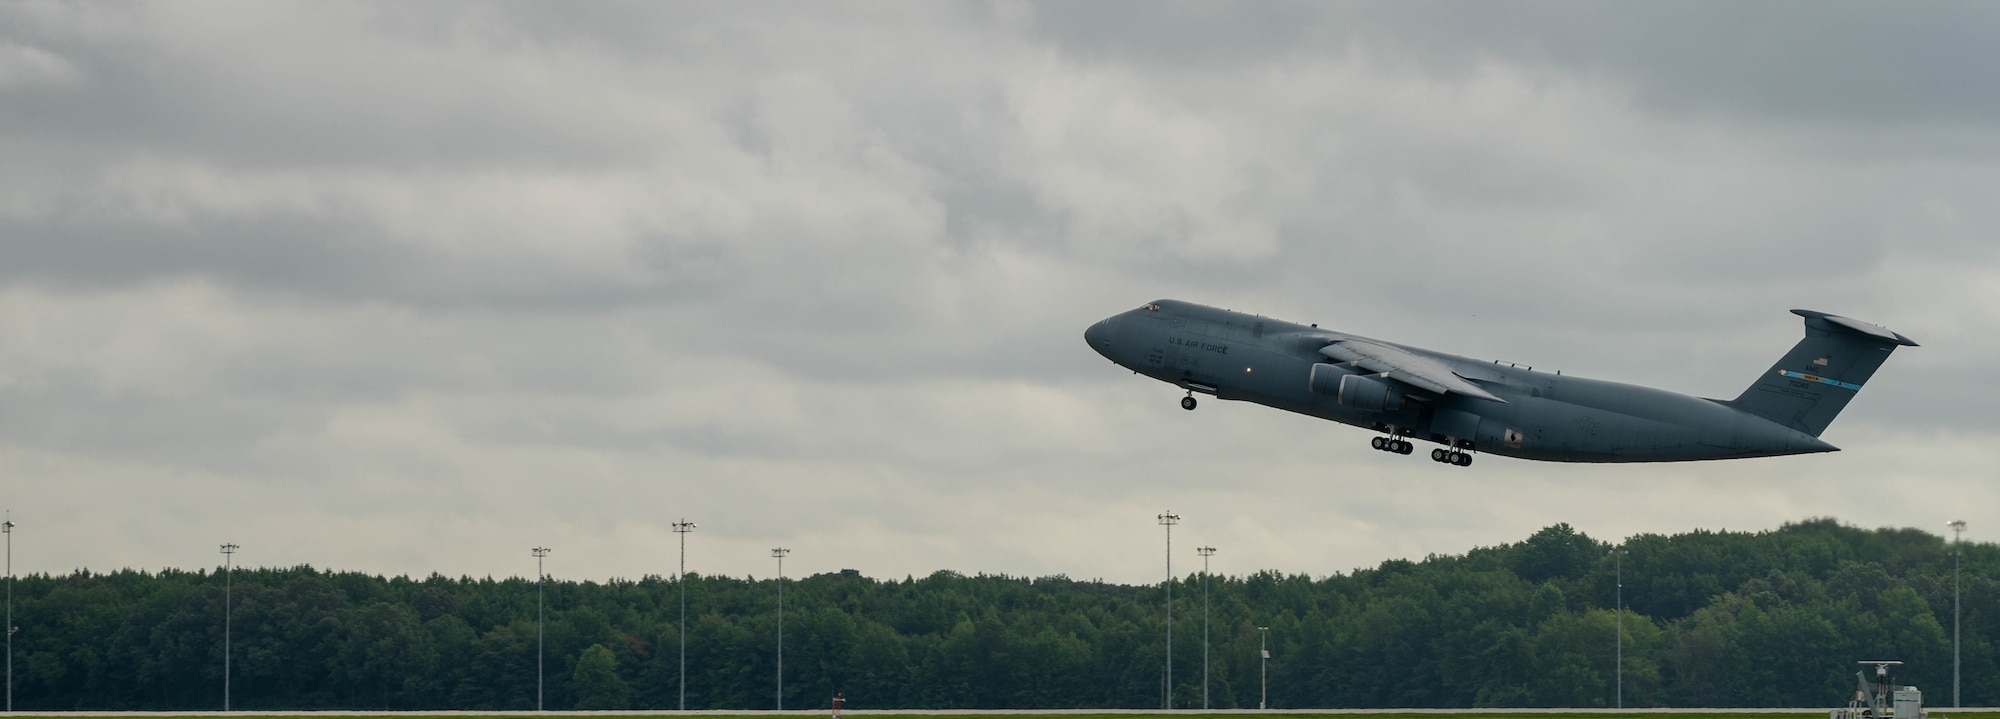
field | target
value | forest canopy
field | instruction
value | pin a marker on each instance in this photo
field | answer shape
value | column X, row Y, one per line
column 1710, row 619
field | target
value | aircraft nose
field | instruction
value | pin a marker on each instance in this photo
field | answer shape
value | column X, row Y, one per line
column 1099, row 335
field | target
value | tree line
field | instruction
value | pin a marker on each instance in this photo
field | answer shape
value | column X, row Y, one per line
column 1710, row 619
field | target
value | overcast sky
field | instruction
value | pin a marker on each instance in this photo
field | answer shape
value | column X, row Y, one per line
column 413, row 287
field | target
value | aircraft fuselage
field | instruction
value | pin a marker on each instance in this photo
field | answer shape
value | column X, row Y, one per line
column 1532, row 415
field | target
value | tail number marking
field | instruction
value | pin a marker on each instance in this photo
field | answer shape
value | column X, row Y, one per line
column 1822, row 380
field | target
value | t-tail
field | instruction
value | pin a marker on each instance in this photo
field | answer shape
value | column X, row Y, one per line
column 1808, row 387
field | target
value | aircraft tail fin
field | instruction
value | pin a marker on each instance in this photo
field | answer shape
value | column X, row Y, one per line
column 1809, row 386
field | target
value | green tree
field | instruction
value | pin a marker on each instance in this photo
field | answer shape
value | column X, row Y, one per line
column 1712, row 619
column 597, row 684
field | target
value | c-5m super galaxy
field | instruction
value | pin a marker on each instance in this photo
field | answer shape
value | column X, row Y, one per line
column 1469, row 405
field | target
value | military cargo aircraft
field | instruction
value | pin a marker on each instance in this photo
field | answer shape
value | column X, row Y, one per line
column 1467, row 405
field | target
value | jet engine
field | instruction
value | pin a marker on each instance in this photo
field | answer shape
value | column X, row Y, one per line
column 1357, row 391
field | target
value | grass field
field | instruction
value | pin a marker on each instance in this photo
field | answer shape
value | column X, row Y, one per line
column 1938, row 713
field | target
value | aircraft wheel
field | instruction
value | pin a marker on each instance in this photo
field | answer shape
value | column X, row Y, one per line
column 1187, row 403
column 1404, row 447
column 1377, row 443
column 1437, row 455
column 1464, row 460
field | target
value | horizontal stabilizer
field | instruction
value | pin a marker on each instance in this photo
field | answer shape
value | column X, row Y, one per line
column 1404, row 366
column 1867, row 328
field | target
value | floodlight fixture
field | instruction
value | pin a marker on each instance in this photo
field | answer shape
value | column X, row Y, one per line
column 779, row 554
column 682, row 528
column 228, row 577
column 1205, row 553
column 1168, row 519
column 1957, row 551
column 539, row 553
column 1618, row 567
column 1263, row 658
column 7, row 528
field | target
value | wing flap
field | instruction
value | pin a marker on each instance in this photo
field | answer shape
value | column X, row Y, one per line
column 1404, row 366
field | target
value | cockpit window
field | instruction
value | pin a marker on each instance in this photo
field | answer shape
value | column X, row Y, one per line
column 1153, row 307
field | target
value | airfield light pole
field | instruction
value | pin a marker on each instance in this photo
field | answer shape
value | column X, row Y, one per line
column 1205, row 553
column 228, row 577
column 1168, row 520
column 779, row 553
column 1957, row 529
column 1618, row 566
column 1263, row 657
column 539, row 553
column 7, row 528
column 682, row 528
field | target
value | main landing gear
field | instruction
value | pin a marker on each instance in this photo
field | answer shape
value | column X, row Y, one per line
column 1392, row 444
column 1451, row 456
column 1187, row 403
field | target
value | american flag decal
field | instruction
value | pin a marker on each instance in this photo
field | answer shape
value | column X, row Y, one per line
column 1821, row 362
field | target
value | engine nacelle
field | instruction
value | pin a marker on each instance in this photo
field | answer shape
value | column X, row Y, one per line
column 1357, row 391
column 1325, row 379
column 1370, row 394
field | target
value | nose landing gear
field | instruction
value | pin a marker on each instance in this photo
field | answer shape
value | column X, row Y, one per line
column 1187, row 403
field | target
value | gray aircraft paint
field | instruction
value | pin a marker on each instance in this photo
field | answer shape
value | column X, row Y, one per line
column 1532, row 415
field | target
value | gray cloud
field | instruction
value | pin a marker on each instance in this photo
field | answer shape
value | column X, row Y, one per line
column 397, row 287
column 1800, row 62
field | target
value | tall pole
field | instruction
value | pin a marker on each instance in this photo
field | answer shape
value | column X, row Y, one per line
column 1957, row 529
column 780, row 553
column 1618, row 566
column 539, row 553
column 1168, row 520
column 1205, row 553
column 682, row 528
column 1263, row 658
column 7, row 528
column 228, row 577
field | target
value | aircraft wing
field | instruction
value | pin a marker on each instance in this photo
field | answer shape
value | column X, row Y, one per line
column 1405, row 366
